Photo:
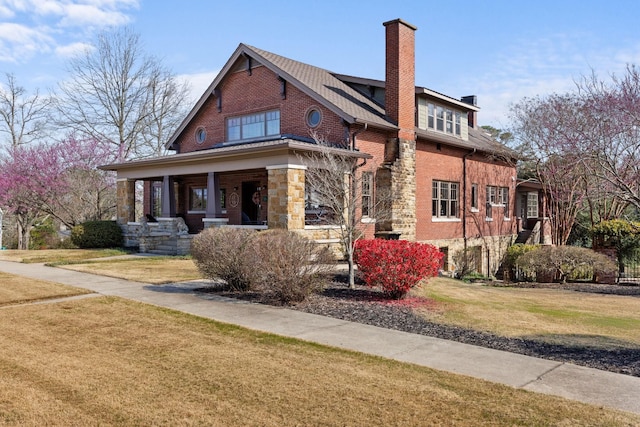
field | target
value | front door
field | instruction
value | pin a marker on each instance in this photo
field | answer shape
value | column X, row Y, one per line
column 250, row 202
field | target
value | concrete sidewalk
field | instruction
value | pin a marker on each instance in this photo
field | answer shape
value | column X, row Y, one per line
column 528, row 373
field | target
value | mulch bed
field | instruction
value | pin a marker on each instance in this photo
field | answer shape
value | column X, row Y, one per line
column 368, row 306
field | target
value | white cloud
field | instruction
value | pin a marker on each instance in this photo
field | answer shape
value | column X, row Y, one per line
column 77, row 15
column 541, row 66
column 19, row 42
column 72, row 49
column 61, row 26
column 198, row 83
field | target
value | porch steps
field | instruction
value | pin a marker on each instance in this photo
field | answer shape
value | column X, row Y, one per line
column 523, row 236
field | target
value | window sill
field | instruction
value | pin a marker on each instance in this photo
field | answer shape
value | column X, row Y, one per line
column 368, row 220
column 438, row 219
column 196, row 212
column 488, row 219
column 475, row 210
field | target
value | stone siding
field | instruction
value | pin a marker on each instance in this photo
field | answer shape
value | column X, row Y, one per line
column 286, row 197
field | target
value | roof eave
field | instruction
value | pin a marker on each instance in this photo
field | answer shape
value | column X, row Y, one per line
column 434, row 94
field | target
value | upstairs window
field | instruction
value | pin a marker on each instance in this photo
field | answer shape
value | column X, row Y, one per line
column 444, row 199
column 442, row 119
column 253, row 126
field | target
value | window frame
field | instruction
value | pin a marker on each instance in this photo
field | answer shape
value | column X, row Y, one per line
column 445, row 197
column 444, row 120
column 244, row 126
column 474, row 198
column 531, row 195
column 504, row 200
column 202, row 206
column 367, row 191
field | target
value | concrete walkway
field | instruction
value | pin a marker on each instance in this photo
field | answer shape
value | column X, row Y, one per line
column 524, row 372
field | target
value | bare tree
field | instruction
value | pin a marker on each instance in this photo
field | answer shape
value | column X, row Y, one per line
column 24, row 116
column 552, row 128
column 117, row 93
column 340, row 187
column 613, row 134
column 166, row 106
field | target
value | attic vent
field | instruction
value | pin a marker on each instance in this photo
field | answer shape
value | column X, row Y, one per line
column 249, row 63
column 283, row 87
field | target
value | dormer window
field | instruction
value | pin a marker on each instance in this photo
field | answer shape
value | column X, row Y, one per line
column 252, row 126
column 440, row 118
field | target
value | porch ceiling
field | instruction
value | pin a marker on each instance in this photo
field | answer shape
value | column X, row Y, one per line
column 254, row 155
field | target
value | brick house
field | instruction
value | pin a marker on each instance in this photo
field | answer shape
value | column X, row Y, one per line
column 238, row 157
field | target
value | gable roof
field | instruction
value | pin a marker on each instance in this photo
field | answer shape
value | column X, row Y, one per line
column 319, row 84
column 333, row 91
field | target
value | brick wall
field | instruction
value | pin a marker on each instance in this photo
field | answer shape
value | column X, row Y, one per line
column 439, row 162
column 245, row 94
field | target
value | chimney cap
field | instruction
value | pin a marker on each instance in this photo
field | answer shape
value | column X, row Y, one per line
column 400, row 21
column 470, row 99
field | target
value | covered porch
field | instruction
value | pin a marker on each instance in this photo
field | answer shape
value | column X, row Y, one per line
column 533, row 225
column 259, row 185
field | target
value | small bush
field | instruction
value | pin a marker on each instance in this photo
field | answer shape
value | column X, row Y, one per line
column 97, row 234
column 565, row 263
column 396, row 266
column 227, row 254
column 514, row 252
column 290, row 266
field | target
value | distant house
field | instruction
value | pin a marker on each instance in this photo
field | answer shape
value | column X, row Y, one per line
column 238, row 157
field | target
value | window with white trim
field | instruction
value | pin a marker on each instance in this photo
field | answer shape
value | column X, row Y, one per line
column 367, row 194
column 504, row 200
column 253, row 126
column 474, row 197
column 444, row 119
column 444, row 199
column 497, row 196
column 532, row 204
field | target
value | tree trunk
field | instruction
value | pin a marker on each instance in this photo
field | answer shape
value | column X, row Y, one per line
column 352, row 272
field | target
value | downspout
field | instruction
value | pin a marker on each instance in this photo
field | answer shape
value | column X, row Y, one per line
column 353, row 137
column 464, row 199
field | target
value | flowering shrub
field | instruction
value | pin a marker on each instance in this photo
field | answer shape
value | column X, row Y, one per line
column 396, row 266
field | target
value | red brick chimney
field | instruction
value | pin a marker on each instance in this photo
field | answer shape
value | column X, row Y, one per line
column 400, row 76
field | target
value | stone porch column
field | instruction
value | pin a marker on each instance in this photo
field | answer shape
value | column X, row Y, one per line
column 126, row 201
column 168, row 198
column 286, row 196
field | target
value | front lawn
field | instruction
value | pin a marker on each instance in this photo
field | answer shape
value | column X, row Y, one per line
column 550, row 315
column 57, row 255
column 17, row 290
column 108, row 361
column 155, row 270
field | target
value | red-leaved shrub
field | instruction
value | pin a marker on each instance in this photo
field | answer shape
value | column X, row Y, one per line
column 396, row 266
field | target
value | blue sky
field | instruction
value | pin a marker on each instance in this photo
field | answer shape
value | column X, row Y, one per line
column 498, row 50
